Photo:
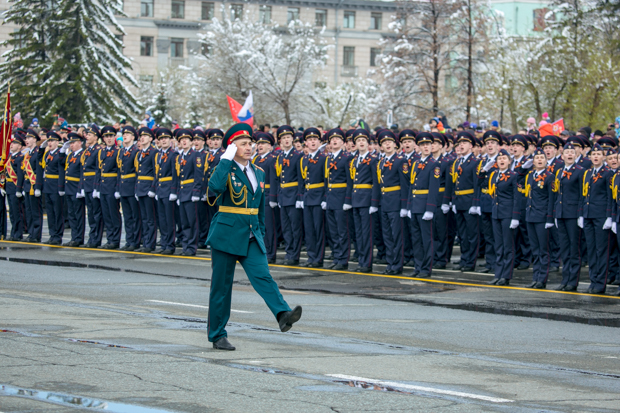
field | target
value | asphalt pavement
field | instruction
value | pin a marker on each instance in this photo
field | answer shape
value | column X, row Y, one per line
column 126, row 332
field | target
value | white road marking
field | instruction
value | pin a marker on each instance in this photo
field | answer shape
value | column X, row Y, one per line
column 196, row 305
column 422, row 388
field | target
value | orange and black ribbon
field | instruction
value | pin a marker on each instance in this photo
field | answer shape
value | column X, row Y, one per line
column 388, row 164
column 503, row 177
column 332, row 165
column 539, row 178
column 286, row 162
column 109, row 153
column 596, row 178
column 421, row 166
column 566, row 174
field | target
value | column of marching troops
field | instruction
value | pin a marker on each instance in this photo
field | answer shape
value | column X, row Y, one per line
column 518, row 200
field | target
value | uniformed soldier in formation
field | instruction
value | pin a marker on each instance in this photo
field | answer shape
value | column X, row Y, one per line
column 313, row 174
column 145, row 189
column 289, row 192
column 128, row 169
column 13, row 188
column 519, row 146
column 266, row 159
column 107, row 189
column 441, row 223
column 51, row 183
column 198, row 142
column 406, row 139
column 166, row 190
column 74, row 192
column 89, row 176
column 551, row 146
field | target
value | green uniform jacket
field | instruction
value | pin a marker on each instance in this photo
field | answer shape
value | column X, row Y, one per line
column 230, row 232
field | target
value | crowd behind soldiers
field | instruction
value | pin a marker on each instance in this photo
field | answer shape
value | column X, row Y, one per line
column 517, row 201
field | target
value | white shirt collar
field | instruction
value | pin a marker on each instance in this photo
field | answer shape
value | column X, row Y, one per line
column 313, row 154
column 78, row 151
column 335, row 154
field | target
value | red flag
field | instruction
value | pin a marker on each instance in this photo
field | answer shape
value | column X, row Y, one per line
column 558, row 127
column 235, row 108
column 5, row 131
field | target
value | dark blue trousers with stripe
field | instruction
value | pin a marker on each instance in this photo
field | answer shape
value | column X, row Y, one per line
column 167, row 223
column 541, row 252
column 149, row 228
column 133, row 225
column 54, row 205
column 422, row 240
column 291, row 230
column 504, row 248
column 76, row 218
column 111, row 218
column 392, row 225
column 570, row 240
column 314, row 226
column 363, row 233
column 95, row 220
column 189, row 221
column 468, row 230
column 338, row 224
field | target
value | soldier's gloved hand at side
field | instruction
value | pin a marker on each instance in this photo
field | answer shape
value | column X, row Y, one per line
column 82, row 194
column 580, row 222
column 137, row 198
column 445, row 208
column 323, row 205
column 273, row 204
column 614, row 228
column 548, row 225
column 299, row 204
column 346, row 207
column 556, row 223
column 514, row 223
column 204, row 198
column 408, row 214
column 230, row 152
column 172, row 197
column 151, row 194
column 403, row 213
column 454, row 208
column 473, row 211
column 61, row 193
column 156, row 198
column 97, row 195
column 3, row 192
column 607, row 224
column 195, row 199
column 372, row 210
column 37, row 193
column 178, row 202
column 19, row 194
column 79, row 195
column 428, row 215
column 117, row 195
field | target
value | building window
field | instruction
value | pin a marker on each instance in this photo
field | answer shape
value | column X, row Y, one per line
column 375, row 21
column 374, row 52
column 264, row 14
column 349, row 20
column 176, row 47
column 146, row 79
column 119, row 37
column 539, row 19
column 205, row 49
column 348, row 56
column 146, row 8
column 120, row 8
column 208, row 10
column 236, row 11
column 178, row 9
column 320, row 18
column 292, row 14
column 146, row 46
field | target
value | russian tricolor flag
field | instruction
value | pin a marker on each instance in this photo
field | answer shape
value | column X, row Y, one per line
column 242, row 114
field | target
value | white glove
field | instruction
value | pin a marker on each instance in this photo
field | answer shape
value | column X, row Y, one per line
column 137, row 198
column 428, row 215
column 445, row 208
column 346, row 207
column 172, row 197
column 65, row 147
column 82, row 194
column 548, row 225
column 178, row 202
column 614, row 227
column 454, row 208
column 97, row 194
column 273, row 204
column 3, row 192
column 607, row 224
column 117, row 195
column 514, row 223
column 556, row 223
column 528, row 164
column 204, row 198
column 580, row 222
column 19, row 194
column 478, row 210
column 372, row 210
column 61, row 193
column 299, row 204
column 408, row 214
column 403, row 213
column 487, row 166
column 302, row 205
column 37, row 193
column 473, row 211
column 156, row 197
column 230, row 152
column 323, row 205
column 195, row 199
column 79, row 195
column 151, row 194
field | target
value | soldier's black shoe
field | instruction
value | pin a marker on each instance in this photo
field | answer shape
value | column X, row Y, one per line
column 466, row 268
column 439, row 267
column 340, row 267
column 589, row 291
column 202, row 247
column 483, row 270
column 615, row 282
column 387, row 272
column 597, row 291
column 331, row 266
column 178, row 244
column 286, row 319
column 188, row 254
column 71, row 244
column 223, row 344
column 108, row 247
column 531, row 285
column 291, row 262
column 50, row 242
column 381, row 261
column 362, row 269
column 410, row 263
column 144, row 249
column 305, row 264
column 353, row 259
column 128, row 248
column 494, row 281
column 503, row 281
column 540, row 286
column 561, row 287
column 570, row 288
column 523, row 266
column 554, row 269
column 413, row 274
column 315, row 265
column 167, row 252
column 424, row 275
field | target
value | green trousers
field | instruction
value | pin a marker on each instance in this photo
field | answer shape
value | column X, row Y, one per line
column 257, row 270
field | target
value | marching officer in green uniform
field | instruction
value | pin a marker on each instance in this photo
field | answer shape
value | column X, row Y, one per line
column 237, row 234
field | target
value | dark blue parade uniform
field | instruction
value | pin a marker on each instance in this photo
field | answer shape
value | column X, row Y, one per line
column 522, row 242
column 51, row 182
column 462, row 191
column 75, row 202
column 212, row 160
column 408, row 248
column 313, row 174
column 289, row 191
column 362, row 177
column 166, row 185
column 596, row 205
column 90, row 171
column 392, row 192
column 540, row 202
column 14, row 185
column 34, row 206
column 553, row 166
column 422, row 204
column 107, row 185
column 190, row 171
column 443, row 222
column 504, row 191
column 145, row 191
column 267, row 163
column 203, row 205
column 568, row 187
column 128, row 167
column 486, row 221
column 584, row 162
column 337, row 172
